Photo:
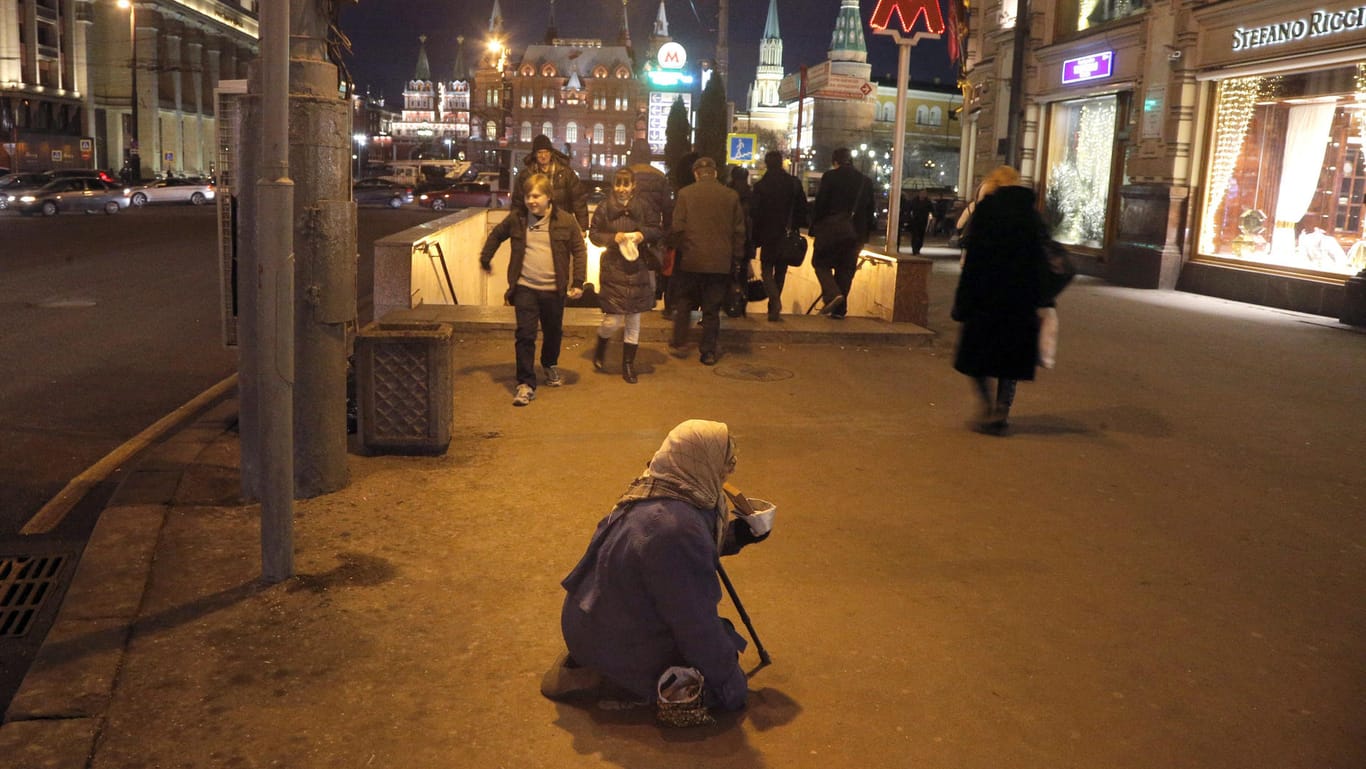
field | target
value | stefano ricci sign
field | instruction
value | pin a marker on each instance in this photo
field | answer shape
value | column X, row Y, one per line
column 1315, row 25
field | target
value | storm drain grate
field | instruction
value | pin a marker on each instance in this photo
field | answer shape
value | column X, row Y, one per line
column 25, row 582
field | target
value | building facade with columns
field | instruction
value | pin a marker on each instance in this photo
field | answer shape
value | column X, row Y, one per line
column 67, row 74
column 1209, row 147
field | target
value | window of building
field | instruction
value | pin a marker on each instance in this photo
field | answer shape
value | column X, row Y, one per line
column 491, row 131
column 548, row 98
column 548, row 128
column 571, row 132
column 922, row 115
column 599, row 71
column 619, row 136
column 1286, row 179
column 936, row 116
column 598, row 133
column 548, row 70
column 526, row 131
column 1081, row 148
column 1077, row 15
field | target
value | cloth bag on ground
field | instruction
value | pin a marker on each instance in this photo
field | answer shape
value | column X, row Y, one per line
column 680, row 698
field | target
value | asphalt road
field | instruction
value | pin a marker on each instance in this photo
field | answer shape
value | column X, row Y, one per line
column 108, row 323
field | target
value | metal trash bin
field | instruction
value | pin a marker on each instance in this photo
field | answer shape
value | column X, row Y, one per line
column 405, row 388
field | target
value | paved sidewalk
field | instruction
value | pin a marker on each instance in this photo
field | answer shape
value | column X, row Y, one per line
column 1162, row 567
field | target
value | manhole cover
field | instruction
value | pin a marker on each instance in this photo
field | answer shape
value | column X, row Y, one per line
column 753, row 372
column 65, row 304
column 25, row 582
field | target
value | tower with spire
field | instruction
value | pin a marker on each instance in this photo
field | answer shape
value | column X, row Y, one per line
column 764, row 91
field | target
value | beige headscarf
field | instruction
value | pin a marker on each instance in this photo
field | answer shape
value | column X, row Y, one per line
column 691, row 465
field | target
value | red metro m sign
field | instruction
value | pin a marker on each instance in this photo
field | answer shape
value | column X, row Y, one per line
column 909, row 10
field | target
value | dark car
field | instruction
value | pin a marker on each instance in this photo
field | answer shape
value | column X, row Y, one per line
column 463, row 195
column 381, row 192
column 12, row 185
column 73, row 194
column 82, row 173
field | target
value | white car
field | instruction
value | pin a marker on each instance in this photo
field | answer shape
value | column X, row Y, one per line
column 196, row 192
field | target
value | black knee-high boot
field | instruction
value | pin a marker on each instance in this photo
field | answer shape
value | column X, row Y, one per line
column 628, row 362
column 600, row 354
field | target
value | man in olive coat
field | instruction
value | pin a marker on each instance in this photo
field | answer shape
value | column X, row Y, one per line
column 709, row 231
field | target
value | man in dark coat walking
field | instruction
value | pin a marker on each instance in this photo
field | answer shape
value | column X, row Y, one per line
column 567, row 195
column 918, row 210
column 843, row 192
column 777, row 207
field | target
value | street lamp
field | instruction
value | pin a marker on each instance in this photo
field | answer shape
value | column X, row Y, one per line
column 133, row 160
column 360, row 147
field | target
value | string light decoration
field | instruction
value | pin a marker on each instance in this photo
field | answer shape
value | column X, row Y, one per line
column 1236, row 100
column 1077, row 191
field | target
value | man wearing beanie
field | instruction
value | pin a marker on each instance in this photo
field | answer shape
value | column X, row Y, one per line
column 709, row 232
column 566, row 195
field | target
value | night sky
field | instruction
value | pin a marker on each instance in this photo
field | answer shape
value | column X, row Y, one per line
column 384, row 35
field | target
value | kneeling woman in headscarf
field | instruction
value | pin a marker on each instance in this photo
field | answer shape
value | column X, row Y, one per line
column 644, row 596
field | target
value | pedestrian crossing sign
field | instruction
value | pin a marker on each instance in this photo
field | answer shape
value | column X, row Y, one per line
column 740, row 148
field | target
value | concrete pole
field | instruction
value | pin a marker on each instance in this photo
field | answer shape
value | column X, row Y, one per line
column 325, row 254
column 275, row 301
column 903, row 76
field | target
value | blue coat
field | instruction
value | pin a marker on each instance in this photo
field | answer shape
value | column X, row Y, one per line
column 644, row 597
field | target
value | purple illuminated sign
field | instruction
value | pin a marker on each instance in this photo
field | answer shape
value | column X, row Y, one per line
column 1092, row 67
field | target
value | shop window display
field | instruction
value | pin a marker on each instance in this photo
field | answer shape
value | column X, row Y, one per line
column 1080, row 153
column 1286, row 186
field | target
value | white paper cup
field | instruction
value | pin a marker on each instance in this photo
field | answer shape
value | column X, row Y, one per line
column 761, row 522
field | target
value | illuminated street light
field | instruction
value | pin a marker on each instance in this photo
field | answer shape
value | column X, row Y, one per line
column 360, row 140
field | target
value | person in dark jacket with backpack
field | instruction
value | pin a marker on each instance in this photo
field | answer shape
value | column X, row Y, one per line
column 627, row 227
column 843, row 192
column 777, row 207
column 1003, row 284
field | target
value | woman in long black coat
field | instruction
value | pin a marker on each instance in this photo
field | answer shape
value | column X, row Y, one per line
column 624, row 221
column 999, row 293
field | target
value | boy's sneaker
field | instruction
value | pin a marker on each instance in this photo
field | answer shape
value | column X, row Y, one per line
column 525, row 395
column 552, row 376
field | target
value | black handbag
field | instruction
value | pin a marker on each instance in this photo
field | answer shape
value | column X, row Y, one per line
column 834, row 231
column 793, row 248
column 754, row 290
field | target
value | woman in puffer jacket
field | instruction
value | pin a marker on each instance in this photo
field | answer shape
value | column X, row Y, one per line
column 627, row 227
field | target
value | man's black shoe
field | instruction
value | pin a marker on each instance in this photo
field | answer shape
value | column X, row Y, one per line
column 708, row 359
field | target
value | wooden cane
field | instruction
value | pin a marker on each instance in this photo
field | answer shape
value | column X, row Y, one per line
column 744, row 616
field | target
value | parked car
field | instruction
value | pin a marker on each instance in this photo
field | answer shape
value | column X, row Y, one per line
column 13, row 185
column 73, row 194
column 196, row 192
column 463, row 195
column 370, row 192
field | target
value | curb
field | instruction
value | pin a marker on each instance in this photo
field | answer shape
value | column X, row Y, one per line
column 56, row 718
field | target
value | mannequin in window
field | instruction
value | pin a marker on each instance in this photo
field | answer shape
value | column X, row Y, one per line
column 1317, row 247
